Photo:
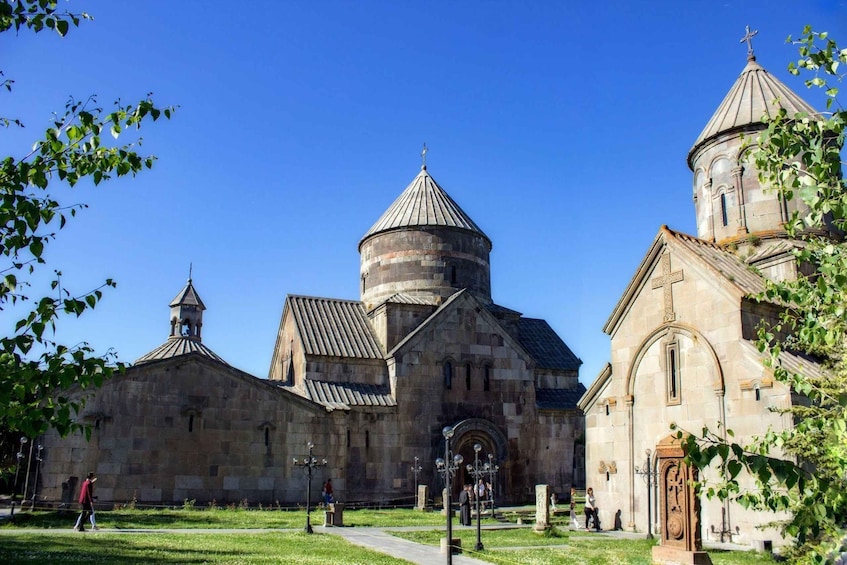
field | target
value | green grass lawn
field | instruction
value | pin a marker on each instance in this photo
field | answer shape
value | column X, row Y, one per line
column 564, row 547
column 135, row 549
column 56, row 543
column 222, row 518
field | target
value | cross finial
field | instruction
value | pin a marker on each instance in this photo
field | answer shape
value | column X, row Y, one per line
column 748, row 37
column 423, row 157
column 190, row 268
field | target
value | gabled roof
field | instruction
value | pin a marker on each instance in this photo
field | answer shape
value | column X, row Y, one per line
column 559, row 398
column 177, row 346
column 545, row 346
column 725, row 264
column 423, row 203
column 344, row 395
column 188, row 297
column 447, row 306
column 756, row 93
column 333, row 328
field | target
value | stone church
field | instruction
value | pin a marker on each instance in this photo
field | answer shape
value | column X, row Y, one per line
column 683, row 333
column 370, row 382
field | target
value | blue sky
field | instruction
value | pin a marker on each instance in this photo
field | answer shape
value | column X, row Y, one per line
column 561, row 128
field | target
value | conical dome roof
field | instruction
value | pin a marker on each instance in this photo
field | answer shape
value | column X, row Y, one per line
column 755, row 94
column 423, row 203
column 188, row 297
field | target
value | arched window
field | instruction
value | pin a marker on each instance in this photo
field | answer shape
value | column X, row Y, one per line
column 448, row 375
column 267, row 436
column 486, row 378
column 191, row 422
column 468, row 376
column 724, row 220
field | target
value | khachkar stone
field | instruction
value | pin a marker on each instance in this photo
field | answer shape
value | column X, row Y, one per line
column 423, row 496
column 680, row 508
column 542, row 508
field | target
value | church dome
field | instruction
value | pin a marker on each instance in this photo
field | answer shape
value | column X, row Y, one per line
column 756, row 93
column 731, row 204
column 423, row 203
column 424, row 246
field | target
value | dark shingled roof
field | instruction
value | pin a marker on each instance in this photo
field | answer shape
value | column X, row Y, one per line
column 334, row 328
column 342, row 395
column 545, row 346
column 175, row 347
column 559, row 398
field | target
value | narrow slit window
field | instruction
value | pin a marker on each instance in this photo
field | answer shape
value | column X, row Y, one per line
column 673, row 376
column 723, row 210
column 758, row 394
column 448, row 375
column 486, row 378
column 468, row 376
column 452, row 274
column 267, row 436
column 191, row 422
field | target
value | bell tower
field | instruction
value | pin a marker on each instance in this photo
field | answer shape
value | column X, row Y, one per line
column 187, row 314
column 731, row 204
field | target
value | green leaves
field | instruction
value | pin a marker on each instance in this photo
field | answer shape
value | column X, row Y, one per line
column 801, row 470
column 41, row 379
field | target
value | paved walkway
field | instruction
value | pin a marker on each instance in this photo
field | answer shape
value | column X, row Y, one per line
column 378, row 539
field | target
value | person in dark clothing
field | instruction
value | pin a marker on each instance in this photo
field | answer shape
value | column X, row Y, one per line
column 328, row 499
column 465, row 506
column 86, row 500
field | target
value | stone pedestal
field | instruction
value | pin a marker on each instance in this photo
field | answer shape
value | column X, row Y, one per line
column 423, row 496
column 542, row 508
column 457, row 546
column 674, row 556
column 334, row 514
column 680, row 508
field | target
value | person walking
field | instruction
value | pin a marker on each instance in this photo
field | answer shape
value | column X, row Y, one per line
column 328, row 499
column 86, row 500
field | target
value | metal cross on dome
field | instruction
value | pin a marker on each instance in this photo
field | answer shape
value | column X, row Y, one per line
column 423, row 156
column 748, row 37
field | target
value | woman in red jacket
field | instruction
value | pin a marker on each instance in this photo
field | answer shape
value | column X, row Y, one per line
column 86, row 500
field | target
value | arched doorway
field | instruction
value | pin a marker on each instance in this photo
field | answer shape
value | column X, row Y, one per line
column 473, row 431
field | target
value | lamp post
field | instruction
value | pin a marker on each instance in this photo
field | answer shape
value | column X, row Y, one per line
column 491, row 469
column 19, row 455
column 26, row 479
column 308, row 464
column 477, row 471
column 37, row 471
column 416, row 468
column 648, row 474
column 448, row 467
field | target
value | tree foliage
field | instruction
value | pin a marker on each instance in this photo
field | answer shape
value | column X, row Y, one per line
column 803, row 470
column 36, row 371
